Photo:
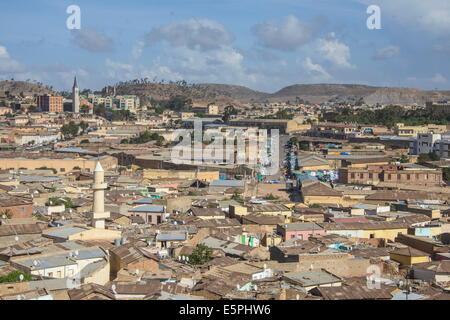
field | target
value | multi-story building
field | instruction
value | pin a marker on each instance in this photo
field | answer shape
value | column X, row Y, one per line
column 129, row 102
column 50, row 103
column 442, row 148
column 213, row 109
column 431, row 143
column 411, row 131
column 373, row 175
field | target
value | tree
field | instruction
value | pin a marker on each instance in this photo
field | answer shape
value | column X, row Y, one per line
column 236, row 197
column 100, row 110
column 46, row 168
column 228, row 112
column 15, row 277
column 84, row 108
column 67, row 202
column 270, row 197
column 200, row 255
column 83, row 125
column 70, row 130
column 428, row 157
column 446, row 174
column 404, row 159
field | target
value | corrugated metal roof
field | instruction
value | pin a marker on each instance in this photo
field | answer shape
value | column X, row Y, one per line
column 227, row 183
column 152, row 208
column 64, row 232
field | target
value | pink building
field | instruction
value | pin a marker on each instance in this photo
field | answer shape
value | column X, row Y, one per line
column 301, row 231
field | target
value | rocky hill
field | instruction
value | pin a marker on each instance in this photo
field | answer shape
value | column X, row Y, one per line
column 24, row 88
column 315, row 93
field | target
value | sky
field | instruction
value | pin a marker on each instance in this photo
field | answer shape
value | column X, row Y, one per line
column 262, row 44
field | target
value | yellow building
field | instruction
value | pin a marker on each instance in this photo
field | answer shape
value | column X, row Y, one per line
column 412, row 131
column 409, row 256
column 180, row 174
column 61, row 162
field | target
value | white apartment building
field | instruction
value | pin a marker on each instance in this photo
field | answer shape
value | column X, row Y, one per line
column 129, row 102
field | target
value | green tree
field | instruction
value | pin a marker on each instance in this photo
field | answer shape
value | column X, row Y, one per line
column 84, row 109
column 236, row 197
column 200, row 255
column 67, row 202
column 270, row 197
column 446, row 174
column 15, row 277
column 404, row 159
column 70, row 130
column 228, row 112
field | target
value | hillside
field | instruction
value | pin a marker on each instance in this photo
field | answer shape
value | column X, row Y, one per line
column 16, row 88
column 315, row 93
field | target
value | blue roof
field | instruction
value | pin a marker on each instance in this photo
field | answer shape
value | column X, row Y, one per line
column 144, row 200
column 61, row 259
column 227, row 183
column 39, row 179
column 73, row 150
column 153, row 208
column 171, row 237
column 63, row 232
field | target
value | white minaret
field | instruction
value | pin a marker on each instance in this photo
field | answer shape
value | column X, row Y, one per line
column 98, row 212
column 75, row 97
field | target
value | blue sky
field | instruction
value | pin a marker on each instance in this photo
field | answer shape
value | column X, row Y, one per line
column 265, row 44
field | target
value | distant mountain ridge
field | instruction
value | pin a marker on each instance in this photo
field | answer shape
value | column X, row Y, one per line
column 223, row 94
column 314, row 93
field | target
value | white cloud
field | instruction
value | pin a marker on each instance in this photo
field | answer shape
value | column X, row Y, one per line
column 7, row 64
column 317, row 72
column 137, row 49
column 286, row 34
column 439, row 79
column 196, row 34
column 331, row 49
column 92, row 40
column 387, row 53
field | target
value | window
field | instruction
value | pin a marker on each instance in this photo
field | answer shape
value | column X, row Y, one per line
column 63, row 169
column 50, row 274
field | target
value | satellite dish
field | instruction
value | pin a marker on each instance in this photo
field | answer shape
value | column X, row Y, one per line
column 21, row 277
column 16, row 238
column 113, row 288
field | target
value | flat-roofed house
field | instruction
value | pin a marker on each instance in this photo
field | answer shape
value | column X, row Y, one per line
column 313, row 279
column 152, row 214
column 301, row 231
